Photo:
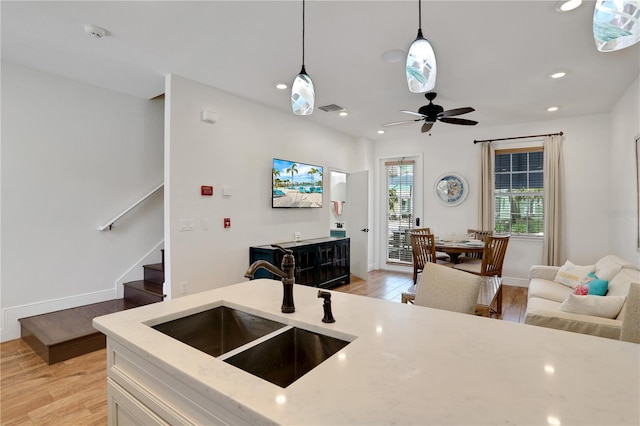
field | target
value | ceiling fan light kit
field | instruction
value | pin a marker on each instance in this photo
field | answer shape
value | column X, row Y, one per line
column 616, row 24
column 421, row 67
column 302, row 92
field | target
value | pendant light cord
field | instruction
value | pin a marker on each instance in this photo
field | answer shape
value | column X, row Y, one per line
column 302, row 33
column 419, row 15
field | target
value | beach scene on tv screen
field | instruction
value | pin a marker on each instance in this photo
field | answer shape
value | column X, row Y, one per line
column 296, row 184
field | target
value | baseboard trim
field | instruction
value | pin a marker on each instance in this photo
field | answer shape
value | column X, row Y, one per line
column 10, row 326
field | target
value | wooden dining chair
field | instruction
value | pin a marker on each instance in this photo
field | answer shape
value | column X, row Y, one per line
column 477, row 234
column 493, row 254
column 423, row 249
column 439, row 254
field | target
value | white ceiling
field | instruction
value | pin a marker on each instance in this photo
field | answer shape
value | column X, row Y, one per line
column 492, row 55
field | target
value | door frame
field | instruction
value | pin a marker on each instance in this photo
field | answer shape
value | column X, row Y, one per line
column 351, row 227
column 380, row 250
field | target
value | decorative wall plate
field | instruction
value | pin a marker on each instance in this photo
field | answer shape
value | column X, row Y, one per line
column 451, row 189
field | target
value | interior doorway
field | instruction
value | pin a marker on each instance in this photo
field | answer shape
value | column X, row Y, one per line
column 349, row 193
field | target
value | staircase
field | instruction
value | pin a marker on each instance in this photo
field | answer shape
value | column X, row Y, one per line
column 61, row 335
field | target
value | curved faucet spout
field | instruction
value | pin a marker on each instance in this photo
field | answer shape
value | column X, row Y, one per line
column 266, row 265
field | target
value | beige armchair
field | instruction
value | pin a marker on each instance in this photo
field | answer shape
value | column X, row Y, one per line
column 445, row 288
column 630, row 330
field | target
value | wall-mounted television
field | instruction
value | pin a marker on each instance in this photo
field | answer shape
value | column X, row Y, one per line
column 295, row 185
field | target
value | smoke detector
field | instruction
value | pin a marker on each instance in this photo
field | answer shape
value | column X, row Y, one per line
column 95, row 31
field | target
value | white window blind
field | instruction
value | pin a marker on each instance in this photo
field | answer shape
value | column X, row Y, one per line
column 399, row 210
column 519, row 191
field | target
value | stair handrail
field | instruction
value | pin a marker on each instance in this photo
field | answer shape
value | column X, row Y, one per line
column 110, row 223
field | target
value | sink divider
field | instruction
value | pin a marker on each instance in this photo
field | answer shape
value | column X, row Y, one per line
column 255, row 342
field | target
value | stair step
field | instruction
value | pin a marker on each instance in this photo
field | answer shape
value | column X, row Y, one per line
column 143, row 292
column 154, row 272
column 61, row 335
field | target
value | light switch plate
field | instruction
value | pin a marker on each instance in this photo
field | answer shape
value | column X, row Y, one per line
column 186, row 224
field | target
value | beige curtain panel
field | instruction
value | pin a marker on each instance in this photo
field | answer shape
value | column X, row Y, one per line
column 552, row 196
column 486, row 198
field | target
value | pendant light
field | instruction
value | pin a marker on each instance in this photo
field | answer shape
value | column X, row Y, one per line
column 302, row 93
column 421, row 62
column 616, row 24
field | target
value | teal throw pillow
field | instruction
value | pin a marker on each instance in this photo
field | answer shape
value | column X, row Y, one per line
column 597, row 287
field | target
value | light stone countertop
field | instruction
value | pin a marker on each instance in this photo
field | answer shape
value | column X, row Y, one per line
column 405, row 364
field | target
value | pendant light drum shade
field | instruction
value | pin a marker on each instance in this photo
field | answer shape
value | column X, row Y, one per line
column 302, row 94
column 616, row 24
column 421, row 66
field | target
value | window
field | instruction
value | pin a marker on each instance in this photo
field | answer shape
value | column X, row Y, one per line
column 519, row 191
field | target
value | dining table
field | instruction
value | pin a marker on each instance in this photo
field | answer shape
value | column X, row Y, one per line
column 455, row 248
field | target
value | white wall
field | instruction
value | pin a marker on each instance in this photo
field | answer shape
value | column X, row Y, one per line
column 586, row 158
column 622, row 210
column 73, row 157
column 236, row 151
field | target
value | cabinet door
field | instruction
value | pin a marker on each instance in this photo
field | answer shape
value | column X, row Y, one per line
column 341, row 259
column 125, row 410
column 327, row 262
column 305, row 265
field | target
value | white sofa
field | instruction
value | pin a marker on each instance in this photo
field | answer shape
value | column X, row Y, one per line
column 545, row 306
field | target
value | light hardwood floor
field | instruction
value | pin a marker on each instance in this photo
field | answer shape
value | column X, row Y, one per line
column 74, row 392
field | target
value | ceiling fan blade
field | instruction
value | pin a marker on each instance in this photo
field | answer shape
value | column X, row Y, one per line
column 456, row 111
column 412, row 113
column 401, row 122
column 458, row 121
column 426, row 127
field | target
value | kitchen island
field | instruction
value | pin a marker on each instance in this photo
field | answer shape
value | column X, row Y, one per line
column 404, row 365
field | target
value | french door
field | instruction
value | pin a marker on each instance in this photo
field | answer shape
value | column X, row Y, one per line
column 402, row 195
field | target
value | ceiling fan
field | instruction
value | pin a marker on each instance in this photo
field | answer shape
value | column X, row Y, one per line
column 430, row 113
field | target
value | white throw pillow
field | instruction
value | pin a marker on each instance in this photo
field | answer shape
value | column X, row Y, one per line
column 608, row 267
column 597, row 306
column 571, row 275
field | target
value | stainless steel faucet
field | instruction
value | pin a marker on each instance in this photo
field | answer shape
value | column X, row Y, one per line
column 286, row 272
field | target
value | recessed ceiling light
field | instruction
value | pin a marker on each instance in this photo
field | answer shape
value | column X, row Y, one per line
column 343, row 113
column 95, row 31
column 281, row 86
column 567, row 5
column 558, row 74
column 552, row 108
column 380, row 132
column 392, row 56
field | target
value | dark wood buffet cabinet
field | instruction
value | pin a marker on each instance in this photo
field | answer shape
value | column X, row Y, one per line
column 320, row 262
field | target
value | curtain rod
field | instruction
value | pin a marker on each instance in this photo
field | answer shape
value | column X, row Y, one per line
column 518, row 137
